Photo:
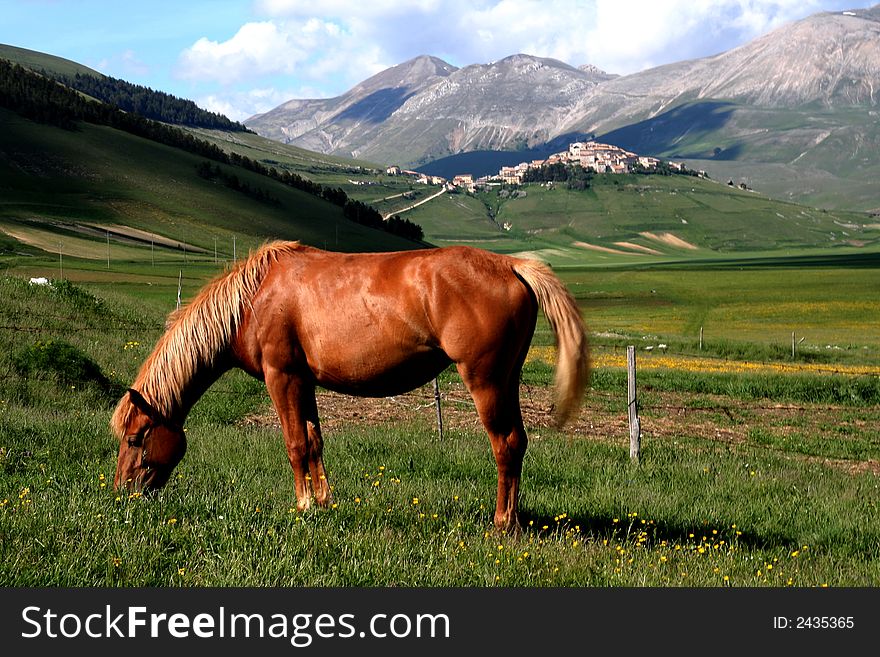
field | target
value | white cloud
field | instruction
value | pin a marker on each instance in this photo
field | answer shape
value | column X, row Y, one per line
column 622, row 37
column 260, row 49
column 343, row 8
column 241, row 105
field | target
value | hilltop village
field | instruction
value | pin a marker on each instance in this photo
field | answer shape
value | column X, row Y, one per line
column 592, row 156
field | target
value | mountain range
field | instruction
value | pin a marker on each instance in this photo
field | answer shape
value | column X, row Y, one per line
column 794, row 110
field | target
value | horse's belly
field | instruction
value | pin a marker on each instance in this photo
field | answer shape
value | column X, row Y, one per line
column 369, row 374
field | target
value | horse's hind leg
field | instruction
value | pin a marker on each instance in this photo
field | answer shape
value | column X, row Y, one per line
column 295, row 403
column 499, row 410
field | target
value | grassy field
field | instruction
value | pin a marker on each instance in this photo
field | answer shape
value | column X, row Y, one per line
column 831, row 310
column 747, row 478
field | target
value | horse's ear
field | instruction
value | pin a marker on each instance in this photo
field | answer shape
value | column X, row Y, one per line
column 143, row 405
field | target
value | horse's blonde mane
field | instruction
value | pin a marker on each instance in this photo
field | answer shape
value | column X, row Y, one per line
column 197, row 333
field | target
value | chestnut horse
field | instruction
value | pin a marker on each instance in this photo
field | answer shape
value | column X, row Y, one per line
column 372, row 325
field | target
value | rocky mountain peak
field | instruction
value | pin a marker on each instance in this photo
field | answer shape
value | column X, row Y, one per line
column 426, row 108
column 596, row 73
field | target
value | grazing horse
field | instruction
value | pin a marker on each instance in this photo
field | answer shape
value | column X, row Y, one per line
column 371, row 325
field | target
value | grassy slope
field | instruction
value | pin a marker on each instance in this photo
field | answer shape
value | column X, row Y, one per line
column 39, row 62
column 287, row 156
column 819, row 156
column 716, row 218
column 107, row 177
column 719, row 219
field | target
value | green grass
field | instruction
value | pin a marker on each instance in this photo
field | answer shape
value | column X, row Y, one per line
column 39, row 62
column 745, row 312
column 412, row 511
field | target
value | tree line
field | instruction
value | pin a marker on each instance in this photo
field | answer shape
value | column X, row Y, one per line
column 214, row 173
column 44, row 100
column 665, row 169
column 150, row 104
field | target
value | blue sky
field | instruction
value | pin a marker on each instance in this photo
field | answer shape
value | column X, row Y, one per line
column 244, row 57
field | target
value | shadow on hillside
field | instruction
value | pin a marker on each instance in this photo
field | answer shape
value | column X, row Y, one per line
column 487, row 162
column 671, row 132
column 376, row 107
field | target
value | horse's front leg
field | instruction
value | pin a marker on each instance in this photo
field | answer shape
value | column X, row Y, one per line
column 294, row 401
column 318, row 474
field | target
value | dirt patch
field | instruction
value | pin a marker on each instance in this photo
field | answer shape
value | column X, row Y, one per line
column 85, row 240
column 601, row 249
column 638, row 247
column 131, row 235
column 670, row 240
column 540, row 254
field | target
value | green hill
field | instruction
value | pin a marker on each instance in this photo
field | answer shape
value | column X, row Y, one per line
column 722, row 220
column 55, row 180
column 42, row 62
column 94, row 189
column 821, row 156
column 640, row 219
column 83, row 181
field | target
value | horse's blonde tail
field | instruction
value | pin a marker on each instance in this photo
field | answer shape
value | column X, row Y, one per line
column 560, row 308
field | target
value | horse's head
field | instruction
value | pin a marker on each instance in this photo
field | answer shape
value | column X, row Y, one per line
column 150, row 446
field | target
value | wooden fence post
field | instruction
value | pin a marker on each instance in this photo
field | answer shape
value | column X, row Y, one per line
column 437, row 405
column 632, row 404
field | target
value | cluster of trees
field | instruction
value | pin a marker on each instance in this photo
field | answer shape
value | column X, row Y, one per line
column 574, row 176
column 405, row 228
column 44, row 100
column 663, row 169
column 156, row 105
